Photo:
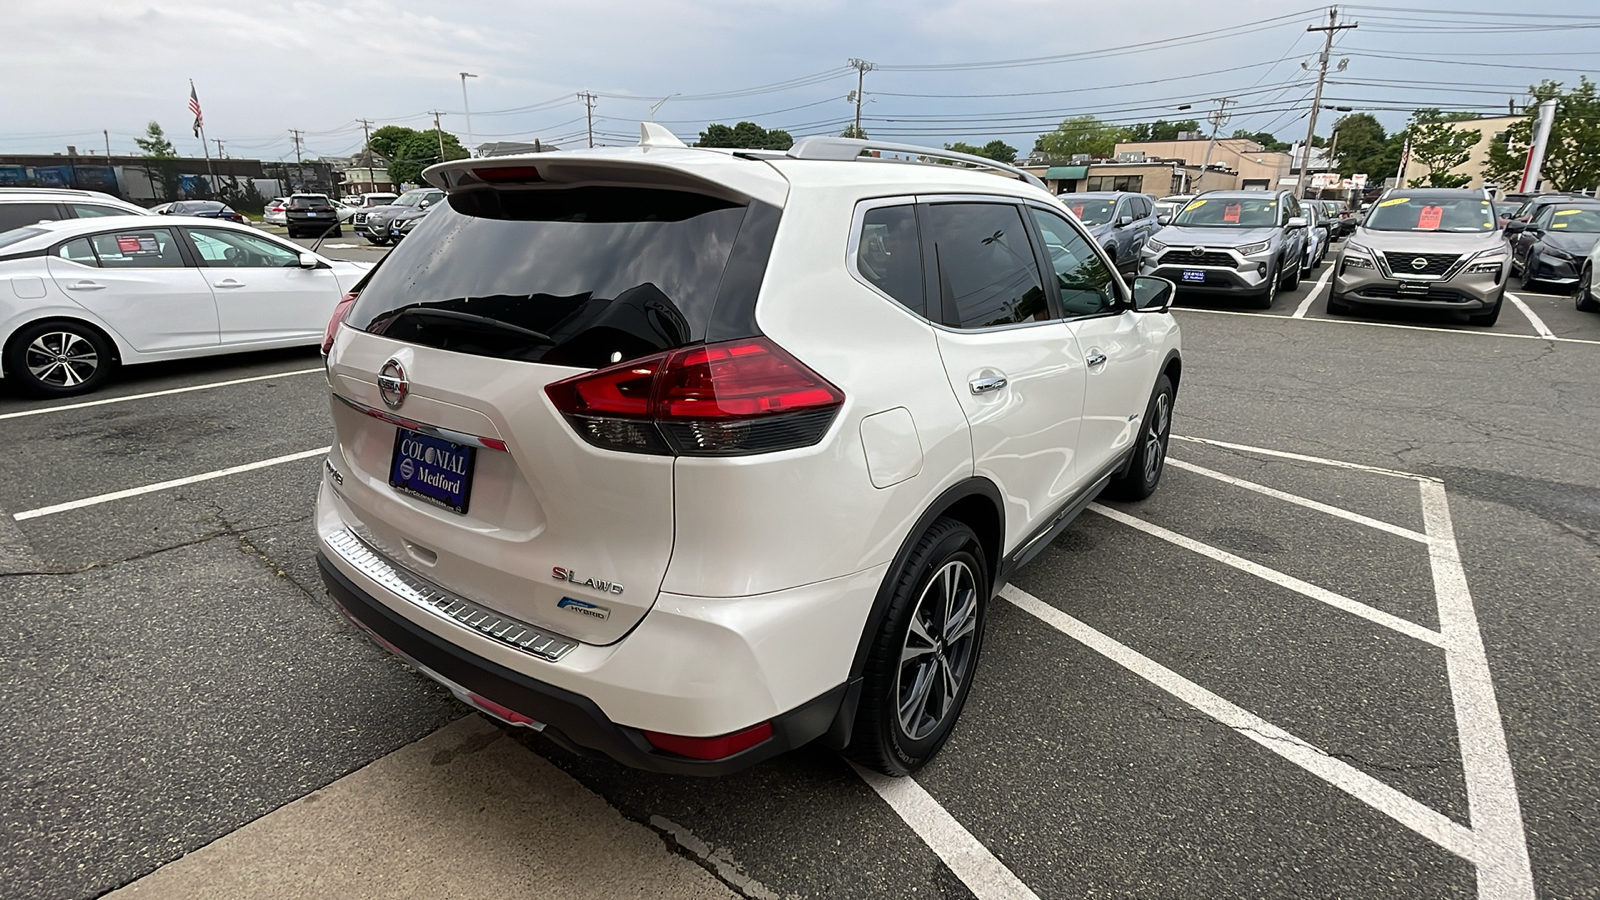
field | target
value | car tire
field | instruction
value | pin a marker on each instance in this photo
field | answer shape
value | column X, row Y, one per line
column 1529, row 283
column 1293, row 279
column 943, row 589
column 1489, row 316
column 1150, row 452
column 1338, row 306
column 1583, row 297
column 338, row 232
column 59, row 358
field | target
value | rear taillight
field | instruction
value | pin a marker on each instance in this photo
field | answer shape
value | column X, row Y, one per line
column 340, row 313
column 728, row 399
column 720, row 747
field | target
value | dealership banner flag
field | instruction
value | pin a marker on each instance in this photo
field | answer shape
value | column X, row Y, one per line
column 194, row 107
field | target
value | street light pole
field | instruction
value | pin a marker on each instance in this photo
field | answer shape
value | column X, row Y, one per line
column 468, row 110
column 657, row 105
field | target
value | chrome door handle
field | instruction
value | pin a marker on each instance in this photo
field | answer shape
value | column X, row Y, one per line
column 987, row 384
column 1095, row 359
column 85, row 286
column 227, row 283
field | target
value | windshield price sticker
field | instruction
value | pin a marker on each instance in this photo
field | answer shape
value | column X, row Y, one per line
column 1230, row 213
column 138, row 245
column 1078, row 210
column 1429, row 217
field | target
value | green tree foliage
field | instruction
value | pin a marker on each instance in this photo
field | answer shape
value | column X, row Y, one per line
column 1365, row 148
column 154, row 144
column 1441, row 148
column 1268, row 141
column 851, row 131
column 1080, row 134
column 409, row 151
column 1159, row 130
column 745, row 136
column 997, row 150
column 1572, row 159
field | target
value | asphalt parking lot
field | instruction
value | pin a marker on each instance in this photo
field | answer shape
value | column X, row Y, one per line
column 1347, row 649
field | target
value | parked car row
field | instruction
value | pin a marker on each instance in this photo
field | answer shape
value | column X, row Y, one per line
column 376, row 224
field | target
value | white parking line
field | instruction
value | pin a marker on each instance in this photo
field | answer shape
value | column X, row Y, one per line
column 1537, row 323
column 165, row 485
column 183, row 390
column 1300, row 501
column 1303, row 588
column 984, row 875
column 1319, row 460
column 1432, row 825
column 1492, row 334
column 1504, row 870
column 1305, row 305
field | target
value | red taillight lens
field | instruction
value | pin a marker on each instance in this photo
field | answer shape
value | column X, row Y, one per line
column 340, row 313
column 727, row 399
column 500, row 174
column 502, row 712
column 720, row 747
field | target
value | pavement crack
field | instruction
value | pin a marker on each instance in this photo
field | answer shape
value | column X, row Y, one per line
column 718, row 861
column 242, row 537
column 236, row 533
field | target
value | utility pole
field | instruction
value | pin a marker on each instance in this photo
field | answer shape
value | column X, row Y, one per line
column 366, row 134
column 467, row 108
column 107, row 134
column 862, row 67
column 588, row 106
column 438, row 132
column 295, row 135
column 1329, row 30
column 1218, row 119
column 218, row 142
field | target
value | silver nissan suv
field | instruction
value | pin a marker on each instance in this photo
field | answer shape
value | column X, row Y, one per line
column 1425, row 248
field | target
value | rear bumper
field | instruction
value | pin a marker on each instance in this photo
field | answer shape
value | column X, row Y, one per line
column 570, row 719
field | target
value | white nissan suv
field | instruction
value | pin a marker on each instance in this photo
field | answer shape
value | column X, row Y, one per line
column 688, row 457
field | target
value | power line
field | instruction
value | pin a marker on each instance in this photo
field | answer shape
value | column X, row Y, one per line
column 1328, row 31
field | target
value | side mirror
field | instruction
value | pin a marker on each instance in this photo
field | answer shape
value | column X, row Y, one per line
column 1124, row 219
column 1297, row 222
column 1152, row 294
column 1513, row 226
column 424, row 204
column 1164, row 219
column 308, row 260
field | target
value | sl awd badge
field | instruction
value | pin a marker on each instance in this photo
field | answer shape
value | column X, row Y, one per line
column 571, row 577
column 593, row 610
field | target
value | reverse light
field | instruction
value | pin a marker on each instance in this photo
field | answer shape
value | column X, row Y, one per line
column 340, row 312
column 720, row 747
column 727, row 399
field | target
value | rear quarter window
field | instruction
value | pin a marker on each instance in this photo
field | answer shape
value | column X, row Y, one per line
column 584, row 277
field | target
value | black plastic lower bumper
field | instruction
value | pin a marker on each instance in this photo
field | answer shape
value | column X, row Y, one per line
column 570, row 719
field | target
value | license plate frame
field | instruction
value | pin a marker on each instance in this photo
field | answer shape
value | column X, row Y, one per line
column 417, row 456
column 1194, row 276
column 1413, row 288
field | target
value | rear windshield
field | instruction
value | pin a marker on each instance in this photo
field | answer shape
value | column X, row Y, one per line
column 309, row 203
column 578, row 277
column 1230, row 212
column 1461, row 214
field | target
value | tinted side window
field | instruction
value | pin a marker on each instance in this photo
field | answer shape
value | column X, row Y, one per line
column 78, row 251
column 987, row 273
column 16, row 215
column 94, row 210
column 141, row 248
column 1086, row 283
column 889, row 255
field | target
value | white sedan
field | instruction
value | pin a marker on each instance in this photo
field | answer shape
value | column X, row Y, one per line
column 81, row 296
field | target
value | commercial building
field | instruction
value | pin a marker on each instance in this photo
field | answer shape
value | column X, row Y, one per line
column 1254, row 166
column 1491, row 130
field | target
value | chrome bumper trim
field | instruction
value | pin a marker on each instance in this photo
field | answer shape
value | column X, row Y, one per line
column 446, row 434
column 448, row 606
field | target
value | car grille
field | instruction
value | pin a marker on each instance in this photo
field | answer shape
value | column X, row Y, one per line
column 1191, row 258
column 1436, row 263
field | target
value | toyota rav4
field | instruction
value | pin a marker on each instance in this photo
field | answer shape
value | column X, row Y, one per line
column 688, row 457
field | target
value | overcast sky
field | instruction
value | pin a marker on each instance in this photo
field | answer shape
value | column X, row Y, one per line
column 266, row 66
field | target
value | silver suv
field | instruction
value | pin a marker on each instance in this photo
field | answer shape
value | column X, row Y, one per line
column 1426, row 248
column 1248, row 243
column 1119, row 221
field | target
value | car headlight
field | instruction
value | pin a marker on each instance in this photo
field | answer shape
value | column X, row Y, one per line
column 1154, row 245
column 1487, row 261
column 1558, row 253
column 1252, row 249
column 1353, row 247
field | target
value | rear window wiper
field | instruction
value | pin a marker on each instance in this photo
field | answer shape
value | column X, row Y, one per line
column 472, row 319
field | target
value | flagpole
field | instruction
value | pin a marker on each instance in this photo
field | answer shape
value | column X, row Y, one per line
column 200, row 126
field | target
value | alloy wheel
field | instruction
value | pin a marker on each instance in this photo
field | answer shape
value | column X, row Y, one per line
column 937, row 655
column 61, row 359
column 1154, row 435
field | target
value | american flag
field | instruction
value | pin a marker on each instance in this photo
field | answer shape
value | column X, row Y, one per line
column 194, row 107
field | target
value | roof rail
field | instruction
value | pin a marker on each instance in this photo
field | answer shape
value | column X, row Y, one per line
column 820, row 146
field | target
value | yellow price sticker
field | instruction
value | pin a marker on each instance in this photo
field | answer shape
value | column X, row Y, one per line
column 1396, row 201
column 1559, row 225
column 1194, row 204
column 1568, row 212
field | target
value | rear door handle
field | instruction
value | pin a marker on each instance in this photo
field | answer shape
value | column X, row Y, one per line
column 227, row 283
column 85, row 286
column 987, row 384
column 1095, row 359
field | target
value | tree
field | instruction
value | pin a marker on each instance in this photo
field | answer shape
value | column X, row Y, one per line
column 409, row 151
column 851, row 131
column 745, row 136
column 1267, row 140
column 1441, row 148
column 154, row 144
column 1160, row 130
column 1572, row 158
column 997, row 150
column 1080, row 134
column 1365, row 148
